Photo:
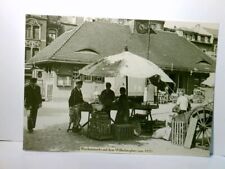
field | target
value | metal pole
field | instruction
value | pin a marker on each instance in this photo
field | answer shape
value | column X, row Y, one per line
column 149, row 33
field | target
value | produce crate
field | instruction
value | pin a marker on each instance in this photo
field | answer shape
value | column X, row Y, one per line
column 178, row 132
column 123, row 131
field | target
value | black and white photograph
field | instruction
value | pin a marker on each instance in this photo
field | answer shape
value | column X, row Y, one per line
column 118, row 85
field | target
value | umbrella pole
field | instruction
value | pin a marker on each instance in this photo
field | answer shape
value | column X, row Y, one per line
column 127, row 85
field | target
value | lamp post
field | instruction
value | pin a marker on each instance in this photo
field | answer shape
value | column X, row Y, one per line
column 150, row 30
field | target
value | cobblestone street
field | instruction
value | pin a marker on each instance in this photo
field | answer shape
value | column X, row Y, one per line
column 50, row 135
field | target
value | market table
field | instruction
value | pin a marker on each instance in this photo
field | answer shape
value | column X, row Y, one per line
column 146, row 107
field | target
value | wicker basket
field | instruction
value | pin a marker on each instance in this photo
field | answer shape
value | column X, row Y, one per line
column 123, row 131
column 99, row 130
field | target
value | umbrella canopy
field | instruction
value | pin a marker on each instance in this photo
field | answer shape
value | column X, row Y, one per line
column 125, row 64
column 210, row 81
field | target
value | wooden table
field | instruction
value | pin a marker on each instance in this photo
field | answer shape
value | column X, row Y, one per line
column 148, row 108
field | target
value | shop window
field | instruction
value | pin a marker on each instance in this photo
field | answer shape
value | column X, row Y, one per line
column 86, row 78
column 98, row 79
column 64, row 81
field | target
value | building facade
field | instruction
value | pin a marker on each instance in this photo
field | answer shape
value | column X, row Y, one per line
column 203, row 38
column 75, row 49
column 42, row 30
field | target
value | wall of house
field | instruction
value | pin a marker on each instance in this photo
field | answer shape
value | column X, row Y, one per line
column 89, row 89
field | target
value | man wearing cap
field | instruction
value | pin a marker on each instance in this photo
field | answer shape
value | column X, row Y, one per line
column 75, row 101
column 32, row 100
column 107, row 97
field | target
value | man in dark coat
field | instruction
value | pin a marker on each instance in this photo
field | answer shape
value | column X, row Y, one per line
column 33, row 100
column 107, row 97
column 75, row 101
column 122, row 115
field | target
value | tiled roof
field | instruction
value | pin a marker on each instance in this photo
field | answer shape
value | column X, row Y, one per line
column 94, row 40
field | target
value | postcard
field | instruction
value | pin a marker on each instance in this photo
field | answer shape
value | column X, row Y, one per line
column 119, row 85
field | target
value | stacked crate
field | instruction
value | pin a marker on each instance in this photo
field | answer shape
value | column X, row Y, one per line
column 163, row 97
column 198, row 96
column 123, row 131
column 173, row 97
column 178, row 132
column 99, row 126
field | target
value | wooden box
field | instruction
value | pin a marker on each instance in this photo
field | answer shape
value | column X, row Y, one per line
column 178, row 132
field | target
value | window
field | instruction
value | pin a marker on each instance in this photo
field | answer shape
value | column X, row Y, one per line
column 28, row 32
column 27, row 53
column 86, row 78
column 64, row 81
column 32, row 29
column 35, row 51
column 203, row 38
column 36, row 32
column 188, row 37
column 76, row 75
column 206, row 39
column 52, row 34
column 98, row 79
column 215, row 48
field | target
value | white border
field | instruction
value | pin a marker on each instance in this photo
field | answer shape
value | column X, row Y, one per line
column 12, row 19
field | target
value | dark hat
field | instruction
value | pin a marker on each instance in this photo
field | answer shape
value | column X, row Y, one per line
column 33, row 80
column 108, row 84
column 79, row 82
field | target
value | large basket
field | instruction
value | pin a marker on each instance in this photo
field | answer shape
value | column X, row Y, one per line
column 123, row 131
column 99, row 129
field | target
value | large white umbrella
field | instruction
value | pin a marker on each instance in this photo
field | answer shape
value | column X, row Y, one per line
column 125, row 64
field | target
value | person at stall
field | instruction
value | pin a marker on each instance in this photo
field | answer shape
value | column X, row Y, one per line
column 106, row 98
column 122, row 115
column 75, row 102
column 183, row 105
column 32, row 100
